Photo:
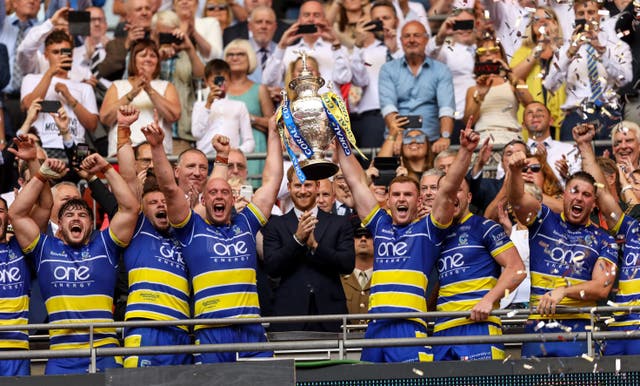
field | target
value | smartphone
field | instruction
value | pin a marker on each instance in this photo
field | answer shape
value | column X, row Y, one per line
column 66, row 52
column 81, row 152
column 307, row 29
column 246, row 191
column 79, row 23
column 486, row 68
column 50, row 106
column 168, row 38
column 415, row 121
column 218, row 80
column 378, row 25
column 580, row 23
column 386, row 170
column 462, row 25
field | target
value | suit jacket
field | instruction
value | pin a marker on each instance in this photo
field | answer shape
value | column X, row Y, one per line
column 241, row 31
column 309, row 281
column 357, row 297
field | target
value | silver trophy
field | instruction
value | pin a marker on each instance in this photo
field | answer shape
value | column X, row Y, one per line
column 311, row 121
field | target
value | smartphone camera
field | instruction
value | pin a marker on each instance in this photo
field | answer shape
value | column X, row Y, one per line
column 66, row 52
column 81, row 152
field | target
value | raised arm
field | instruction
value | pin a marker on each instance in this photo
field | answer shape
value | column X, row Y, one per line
column 357, row 181
column 25, row 228
column 177, row 203
column 127, row 115
column 525, row 206
column 266, row 196
column 443, row 206
column 583, row 135
column 123, row 222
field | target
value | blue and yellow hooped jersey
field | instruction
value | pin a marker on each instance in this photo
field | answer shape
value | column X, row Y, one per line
column 562, row 254
column 467, row 269
column 77, row 285
column 628, row 235
column 403, row 258
column 15, row 280
column 221, row 262
column 158, row 285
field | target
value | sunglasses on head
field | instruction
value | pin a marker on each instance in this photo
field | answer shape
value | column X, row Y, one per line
column 487, row 50
column 535, row 168
column 420, row 138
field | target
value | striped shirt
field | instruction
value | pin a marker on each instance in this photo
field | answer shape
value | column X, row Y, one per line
column 14, row 292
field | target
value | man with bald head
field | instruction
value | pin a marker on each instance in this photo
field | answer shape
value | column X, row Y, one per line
column 417, row 85
column 241, row 30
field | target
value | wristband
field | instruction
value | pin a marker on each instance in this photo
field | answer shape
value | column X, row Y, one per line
column 124, row 136
column 625, row 188
column 106, row 168
column 222, row 160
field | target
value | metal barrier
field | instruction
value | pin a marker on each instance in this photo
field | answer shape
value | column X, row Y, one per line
column 342, row 342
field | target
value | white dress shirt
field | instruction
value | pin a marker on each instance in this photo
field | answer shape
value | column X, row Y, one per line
column 322, row 52
column 614, row 66
column 365, row 67
column 227, row 117
column 555, row 151
column 460, row 58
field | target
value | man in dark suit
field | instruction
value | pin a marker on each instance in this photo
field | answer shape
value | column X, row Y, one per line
column 308, row 250
column 241, row 30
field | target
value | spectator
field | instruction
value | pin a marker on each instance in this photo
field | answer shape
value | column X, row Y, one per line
column 444, row 160
column 77, row 98
column 493, row 102
column 242, row 61
column 309, row 262
column 609, row 59
column 204, row 32
column 13, row 30
column 326, row 196
column 625, row 143
column 96, row 258
column 324, row 43
column 219, row 10
column 428, row 189
column 262, row 26
column 455, row 46
column 344, row 16
column 415, row 152
column 180, row 64
column 417, row 85
column 371, row 52
column 345, row 202
column 232, row 257
column 561, row 156
column 532, row 61
column 152, row 256
column 219, row 114
column 558, row 257
column 144, row 91
column 293, row 71
column 237, row 167
column 241, row 29
column 357, row 284
column 138, row 18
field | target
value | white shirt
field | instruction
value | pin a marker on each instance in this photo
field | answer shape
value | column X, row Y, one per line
column 614, row 66
column 298, row 212
column 81, row 66
column 209, row 29
column 555, row 151
column 460, row 59
column 520, row 238
column 416, row 12
column 29, row 56
column 365, row 67
column 227, row 117
column 46, row 126
column 322, row 52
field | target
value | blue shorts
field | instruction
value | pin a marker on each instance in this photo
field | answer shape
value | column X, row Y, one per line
column 555, row 349
column 383, row 329
column 470, row 352
column 81, row 365
column 156, row 336
column 246, row 333
column 623, row 346
column 14, row 367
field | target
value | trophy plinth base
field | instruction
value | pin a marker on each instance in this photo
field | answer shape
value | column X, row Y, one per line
column 318, row 169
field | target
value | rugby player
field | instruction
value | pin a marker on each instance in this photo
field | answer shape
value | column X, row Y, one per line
column 405, row 250
column 572, row 261
column 77, row 274
column 220, row 249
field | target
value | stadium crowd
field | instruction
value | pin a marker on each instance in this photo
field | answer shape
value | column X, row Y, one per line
column 486, row 191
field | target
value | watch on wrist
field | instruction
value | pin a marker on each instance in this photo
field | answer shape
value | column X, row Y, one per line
column 445, row 135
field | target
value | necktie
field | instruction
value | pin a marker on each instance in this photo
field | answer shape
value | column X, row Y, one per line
column 16, row 79
column 389, row 56
column 95, row 60
column 592, row 67
column 363, row 279
column 344, row 210
column 263, row 57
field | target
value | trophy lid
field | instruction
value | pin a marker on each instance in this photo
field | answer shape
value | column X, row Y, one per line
column 306, row 77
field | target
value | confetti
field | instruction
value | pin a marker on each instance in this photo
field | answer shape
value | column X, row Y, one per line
column 609, row 321
column 618, row 365
column 582, row 294
column 511, row 314
column 587, row 357
column 418, row 372
column 539, row 325
column 506, row 359
column 612, row 304
column 506, row 292
column 527, row 366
